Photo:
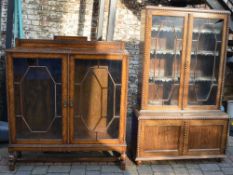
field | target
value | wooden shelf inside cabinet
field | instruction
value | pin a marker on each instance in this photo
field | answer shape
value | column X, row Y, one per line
column 164, row 52
column 43, row 117
column 160, row 28
column 202, row 79
column 184, row 55
column 163, row 79
column 177, row 79
column 172, row 52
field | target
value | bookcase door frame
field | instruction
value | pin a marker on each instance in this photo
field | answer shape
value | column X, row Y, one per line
column 146, row 67
column 11, row 97
column 123, row 98
column 222, row 61
column 189, row 17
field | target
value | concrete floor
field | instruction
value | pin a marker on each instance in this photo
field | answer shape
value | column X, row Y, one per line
column 181, row 167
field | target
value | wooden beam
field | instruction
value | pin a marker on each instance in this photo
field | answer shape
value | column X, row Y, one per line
column 111, row 19
column 100, row 20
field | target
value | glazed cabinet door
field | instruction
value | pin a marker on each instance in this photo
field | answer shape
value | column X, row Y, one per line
column 97, row 95
column 37, row 94
column 205, row 61
column 159, row 138
column 205, row 137
column 165, row 44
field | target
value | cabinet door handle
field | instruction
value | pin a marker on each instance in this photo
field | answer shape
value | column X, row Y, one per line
column 65, row 104
column 71, row 103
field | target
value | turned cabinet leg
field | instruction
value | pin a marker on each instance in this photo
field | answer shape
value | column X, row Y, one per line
column 123, row 161
column 12, row 161
column 138, row 162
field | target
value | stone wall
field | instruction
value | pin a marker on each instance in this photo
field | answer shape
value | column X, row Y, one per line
column 2, row 58
column 3, row 26
column 45, row 18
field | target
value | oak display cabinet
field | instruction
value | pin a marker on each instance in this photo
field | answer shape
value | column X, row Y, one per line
column 67, row 95
column 184, row 62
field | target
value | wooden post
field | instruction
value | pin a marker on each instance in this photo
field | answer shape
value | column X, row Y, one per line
column 111, row 19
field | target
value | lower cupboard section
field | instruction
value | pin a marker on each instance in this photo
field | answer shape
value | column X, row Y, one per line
column 161, row 139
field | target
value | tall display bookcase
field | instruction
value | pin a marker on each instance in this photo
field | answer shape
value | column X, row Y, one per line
column 183, row 75
column 67, row 95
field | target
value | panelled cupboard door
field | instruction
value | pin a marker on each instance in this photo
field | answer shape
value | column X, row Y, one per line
column 205, row 60
column 164, row 55
column 160, row 138
column 205, row 137
column 97, row 95
column 37, row 95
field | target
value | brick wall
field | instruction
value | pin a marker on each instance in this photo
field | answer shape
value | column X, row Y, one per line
column 46, row 18
column 3, row 26
column 2, row 58
column 43, row 19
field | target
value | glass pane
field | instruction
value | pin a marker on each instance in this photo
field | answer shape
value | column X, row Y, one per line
column 205, row 60
column 37, row 88
column 165, row 60
column 97, row 99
